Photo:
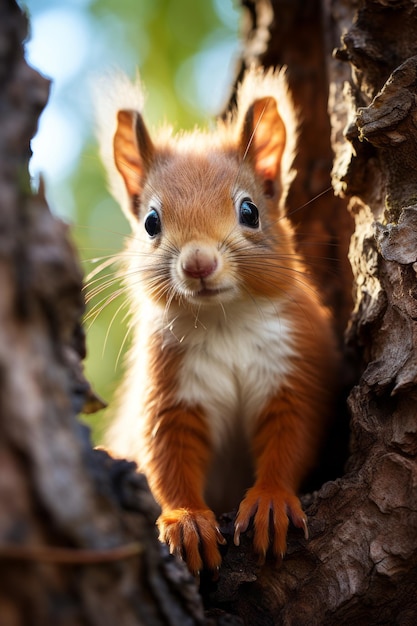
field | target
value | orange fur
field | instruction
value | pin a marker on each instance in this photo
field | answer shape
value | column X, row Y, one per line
column 233, row 359
column 177, row 454
column 289, row 431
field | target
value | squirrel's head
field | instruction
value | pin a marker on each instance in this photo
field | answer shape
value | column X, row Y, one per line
column 204, row 205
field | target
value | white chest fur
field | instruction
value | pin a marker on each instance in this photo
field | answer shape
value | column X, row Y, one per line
column 234, row 361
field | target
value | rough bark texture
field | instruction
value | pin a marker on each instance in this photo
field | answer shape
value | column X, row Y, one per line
column 77, row 537
column 71, row 551
column 359, row 565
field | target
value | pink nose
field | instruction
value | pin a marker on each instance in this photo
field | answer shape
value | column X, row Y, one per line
column 199, row 264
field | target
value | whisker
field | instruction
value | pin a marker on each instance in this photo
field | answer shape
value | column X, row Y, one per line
column 107, row 263
column 122, row 345
column 123, row 304
column 102, row 286
column 249, row 262
column 316, row 197
column 102, row 304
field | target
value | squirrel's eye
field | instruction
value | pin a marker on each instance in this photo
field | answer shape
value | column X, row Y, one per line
column 152, row 223
column 248, row 213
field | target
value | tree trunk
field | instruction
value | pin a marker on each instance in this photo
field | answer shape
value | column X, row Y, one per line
column 78, row 543
column 77, row 538
column 359, row 565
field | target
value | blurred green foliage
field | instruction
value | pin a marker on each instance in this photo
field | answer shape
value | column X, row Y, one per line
column 181, row 48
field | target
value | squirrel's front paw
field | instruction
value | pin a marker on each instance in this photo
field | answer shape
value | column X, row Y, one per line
column 270, row 509
column 192, row 535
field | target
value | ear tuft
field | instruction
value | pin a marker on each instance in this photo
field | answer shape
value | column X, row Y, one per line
column 133, row 153
column 266, row 127
column 113, row 94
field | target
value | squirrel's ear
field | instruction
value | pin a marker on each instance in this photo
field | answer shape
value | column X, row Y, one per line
column 262, row 141
column 133, row 153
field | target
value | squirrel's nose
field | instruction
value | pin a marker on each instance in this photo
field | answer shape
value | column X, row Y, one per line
column 199, row 262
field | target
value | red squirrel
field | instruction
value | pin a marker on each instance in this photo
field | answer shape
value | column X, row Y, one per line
column 229, row 380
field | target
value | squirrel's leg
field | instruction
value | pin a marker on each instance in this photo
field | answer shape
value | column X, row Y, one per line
column 285, row 443
column 178, row 455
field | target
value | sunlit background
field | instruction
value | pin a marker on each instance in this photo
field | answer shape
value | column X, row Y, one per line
column 185, row 51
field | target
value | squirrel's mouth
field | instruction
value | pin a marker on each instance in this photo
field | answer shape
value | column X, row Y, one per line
column 209, row 293
column 205, row 292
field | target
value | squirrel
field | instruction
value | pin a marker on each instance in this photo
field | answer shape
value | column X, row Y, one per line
column 231, row 375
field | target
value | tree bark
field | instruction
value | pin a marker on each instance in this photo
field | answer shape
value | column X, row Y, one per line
column 360, row 562
column 78, row 543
